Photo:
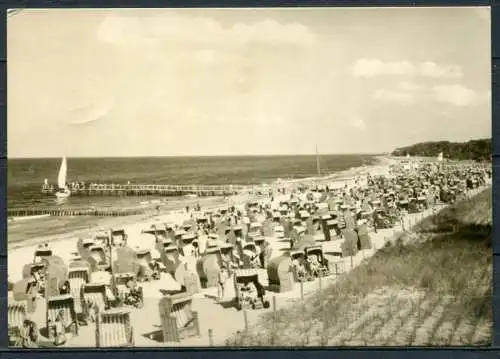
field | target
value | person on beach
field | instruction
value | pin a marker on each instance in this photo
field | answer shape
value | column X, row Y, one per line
column 59, row 329
column 133, row 297
column 223, row 278
column 300, row 271
column 24, row 337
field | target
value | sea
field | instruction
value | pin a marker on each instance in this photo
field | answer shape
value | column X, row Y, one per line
column 26, row 177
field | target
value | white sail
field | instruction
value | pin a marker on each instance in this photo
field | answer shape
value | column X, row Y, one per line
column 440, row 157
column 63, row 171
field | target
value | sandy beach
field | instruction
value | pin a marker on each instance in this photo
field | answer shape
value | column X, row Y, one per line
column 220, row 319
column 64, row 243
column 229, row 320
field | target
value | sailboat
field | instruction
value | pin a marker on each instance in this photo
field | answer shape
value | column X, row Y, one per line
column 440, row 157
column 63, row 191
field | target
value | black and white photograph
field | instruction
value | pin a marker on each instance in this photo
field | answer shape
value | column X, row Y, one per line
column 249, row 177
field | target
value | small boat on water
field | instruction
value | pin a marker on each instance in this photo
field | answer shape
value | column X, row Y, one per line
column 63, row 191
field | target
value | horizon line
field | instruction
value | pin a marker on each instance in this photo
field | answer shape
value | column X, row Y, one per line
column 215, row 155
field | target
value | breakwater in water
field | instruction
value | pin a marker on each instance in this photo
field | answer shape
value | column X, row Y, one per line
column 65, row 212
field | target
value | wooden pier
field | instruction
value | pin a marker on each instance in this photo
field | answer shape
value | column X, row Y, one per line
column 150, row 190
column 68, row 212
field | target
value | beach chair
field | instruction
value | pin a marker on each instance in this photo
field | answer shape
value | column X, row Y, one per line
column 249, row 255
column 144, row 262
column 41, row 252
column 99, row 259
column 56, row 277
column 255, row 231
column 170, row 257
column 208, row 267
column 349, row 246
column 61, row 307
column 364, row 238
column 317, row 264
column 178, row 320
column 25, row 291
column 280, row 274
column 238, row 232
column 267, row 228
column 188, row 279
column 118, row 237
column 226, row 255
column 114, row 329
column 94, row 295
column 299, row 271
column 16, row 314
column 249, row 292
column 119, row 284
column 31, row 268
column 187, row 241
column 128, row 295
column 20, row 331
column 78, row 276
column 329, row 227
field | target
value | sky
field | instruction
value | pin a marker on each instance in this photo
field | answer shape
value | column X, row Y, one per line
column 185, row 82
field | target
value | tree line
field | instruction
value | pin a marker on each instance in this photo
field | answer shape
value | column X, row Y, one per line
column 477, row 150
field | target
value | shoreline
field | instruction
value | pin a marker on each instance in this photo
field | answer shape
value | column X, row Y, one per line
column 63, row 244
column 230, row 319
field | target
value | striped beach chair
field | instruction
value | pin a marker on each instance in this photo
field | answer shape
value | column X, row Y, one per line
column 78, row 277
column 178, row 319
column 16, row 314
column 94, row 294
column 248, row 290
column 63, row 305
column 114, row 329
column 21, row 333
column 120, row 281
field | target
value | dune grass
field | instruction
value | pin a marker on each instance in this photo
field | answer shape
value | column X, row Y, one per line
column 429, row 287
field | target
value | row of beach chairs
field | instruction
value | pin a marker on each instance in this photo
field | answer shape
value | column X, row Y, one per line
column 113, row 327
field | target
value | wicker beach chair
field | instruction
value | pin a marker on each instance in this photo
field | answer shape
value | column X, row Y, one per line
column 280, row 274
column 94, row 294
column 61, row 306
column 21, row 331
column 78, row 277
column 249, row 292
column 114, row 329
column 177, row 317
column 317, row 263
column 16, row 314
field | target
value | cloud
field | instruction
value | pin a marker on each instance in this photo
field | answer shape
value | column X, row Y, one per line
column 358, row 123
column 393, row 96
column 375, row 67
column 175, row 26
column 431, row 69
column 456, row 95
column 408, row 86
